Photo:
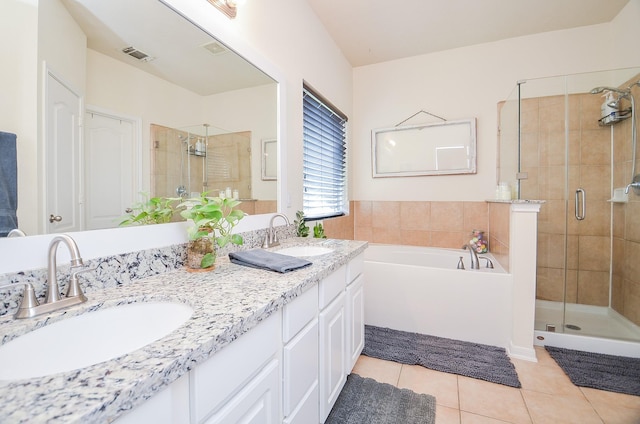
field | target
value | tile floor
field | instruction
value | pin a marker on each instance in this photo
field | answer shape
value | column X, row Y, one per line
column 546, row 396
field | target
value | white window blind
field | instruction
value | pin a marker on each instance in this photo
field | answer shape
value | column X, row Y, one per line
column 324, row 157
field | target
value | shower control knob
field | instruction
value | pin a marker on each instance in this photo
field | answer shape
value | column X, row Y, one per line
column 55, row 218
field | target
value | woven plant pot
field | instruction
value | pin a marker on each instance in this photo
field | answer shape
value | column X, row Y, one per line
column 196, row 251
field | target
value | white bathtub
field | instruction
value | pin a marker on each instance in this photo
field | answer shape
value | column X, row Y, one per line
column 419, row 289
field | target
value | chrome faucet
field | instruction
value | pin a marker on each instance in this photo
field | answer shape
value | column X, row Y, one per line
column 53, row 292
column 475, row 263
column 271, row 238
column 29, row 306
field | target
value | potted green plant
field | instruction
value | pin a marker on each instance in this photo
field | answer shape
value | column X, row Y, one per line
column 213, row 220
column 302, row 230
column 153, row 210
column 318, row 231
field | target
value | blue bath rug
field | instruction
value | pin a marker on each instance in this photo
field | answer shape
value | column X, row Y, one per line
column 620, row 374
column 484, row 362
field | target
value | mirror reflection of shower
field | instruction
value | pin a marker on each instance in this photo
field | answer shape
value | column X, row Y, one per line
column 190, row 160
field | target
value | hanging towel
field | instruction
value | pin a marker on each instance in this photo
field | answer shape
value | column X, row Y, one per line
column 8, row 183
column 259, row 258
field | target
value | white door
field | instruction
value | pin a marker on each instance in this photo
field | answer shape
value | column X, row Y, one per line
column 62, row 123
column 111, row 168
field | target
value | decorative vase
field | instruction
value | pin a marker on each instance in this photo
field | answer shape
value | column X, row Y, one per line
column 196, row 252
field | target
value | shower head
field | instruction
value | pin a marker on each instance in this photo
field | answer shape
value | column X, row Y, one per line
column 599, row 90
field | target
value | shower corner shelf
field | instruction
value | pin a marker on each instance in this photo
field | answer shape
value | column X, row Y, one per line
column 614, row 118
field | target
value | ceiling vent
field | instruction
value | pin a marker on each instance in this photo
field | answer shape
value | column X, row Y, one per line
column 137, row 54
column 215, row 48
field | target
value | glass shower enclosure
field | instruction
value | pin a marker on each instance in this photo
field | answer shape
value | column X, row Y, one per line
column 568, row 140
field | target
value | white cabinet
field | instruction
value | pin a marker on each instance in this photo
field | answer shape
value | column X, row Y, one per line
column 256, row 403
column 300, row 359
column 170, row 406
column 241, row 383
column 354, row 311
column 332, row 354
column 289, row 369
column 355, row 322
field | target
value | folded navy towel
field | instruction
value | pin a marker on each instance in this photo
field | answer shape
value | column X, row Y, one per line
column 260, row 258
column 8, row 183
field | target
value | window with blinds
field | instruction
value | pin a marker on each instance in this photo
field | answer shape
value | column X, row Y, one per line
column 324, row 157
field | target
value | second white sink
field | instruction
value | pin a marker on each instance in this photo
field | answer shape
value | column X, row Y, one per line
column 90, row 338
column 305, row 251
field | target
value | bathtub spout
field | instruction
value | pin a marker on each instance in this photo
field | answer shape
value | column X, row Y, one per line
column 475, row 263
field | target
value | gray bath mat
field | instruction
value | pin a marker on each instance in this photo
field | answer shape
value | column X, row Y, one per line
column 619, row 374
column 365, row 401
column 484, row 362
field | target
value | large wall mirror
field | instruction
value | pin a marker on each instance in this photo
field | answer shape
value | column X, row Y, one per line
column 162, row 102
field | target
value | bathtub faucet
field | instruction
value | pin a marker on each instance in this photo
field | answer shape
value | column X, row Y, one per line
column 475, row 263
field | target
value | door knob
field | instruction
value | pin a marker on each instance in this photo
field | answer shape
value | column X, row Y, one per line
column 55, row 218
column 128, row 210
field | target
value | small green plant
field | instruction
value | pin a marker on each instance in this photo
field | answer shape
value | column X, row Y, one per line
column 318, row 231
column 301, row 227
column 214, row 219
column 154, row 210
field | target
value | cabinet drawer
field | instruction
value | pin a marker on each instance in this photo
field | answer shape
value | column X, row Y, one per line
column 355, row 268
column 256, row 403
column 221, row 376
column 332, row 286
column 300, row 366
column 298, row 313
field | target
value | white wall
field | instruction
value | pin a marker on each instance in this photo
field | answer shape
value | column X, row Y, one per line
column 19, row 85
column 469, row 82
column 232, row 110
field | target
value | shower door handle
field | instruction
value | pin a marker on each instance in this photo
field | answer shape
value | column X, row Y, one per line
column 581, row 204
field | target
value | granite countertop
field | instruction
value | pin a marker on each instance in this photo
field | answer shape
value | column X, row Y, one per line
column 227, row 302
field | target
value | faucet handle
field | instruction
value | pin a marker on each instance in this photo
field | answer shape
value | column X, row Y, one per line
column 28, row 302
column 266, row 243
column 74, row 289
column 489, row 261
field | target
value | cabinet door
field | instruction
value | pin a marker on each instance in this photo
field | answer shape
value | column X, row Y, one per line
column 332, row 354
column 170, row 406
column 257, row 403
column 300, row 366
column 355, row 322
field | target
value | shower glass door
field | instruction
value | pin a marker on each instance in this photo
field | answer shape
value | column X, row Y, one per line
column 587, row 278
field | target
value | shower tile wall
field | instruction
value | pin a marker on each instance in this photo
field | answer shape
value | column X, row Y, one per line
column 226, row 150
column 167, row 154
column 543, row 159
column 626, row 225
column 589, row 155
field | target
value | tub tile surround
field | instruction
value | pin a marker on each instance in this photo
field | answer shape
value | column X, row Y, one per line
column 415, row 223
column 423, row 223
column 227, row 302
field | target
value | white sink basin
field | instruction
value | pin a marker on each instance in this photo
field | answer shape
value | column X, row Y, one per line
column 305, row 251
column 89, row 339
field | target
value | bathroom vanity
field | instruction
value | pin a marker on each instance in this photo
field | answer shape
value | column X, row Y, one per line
column 259, row 346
